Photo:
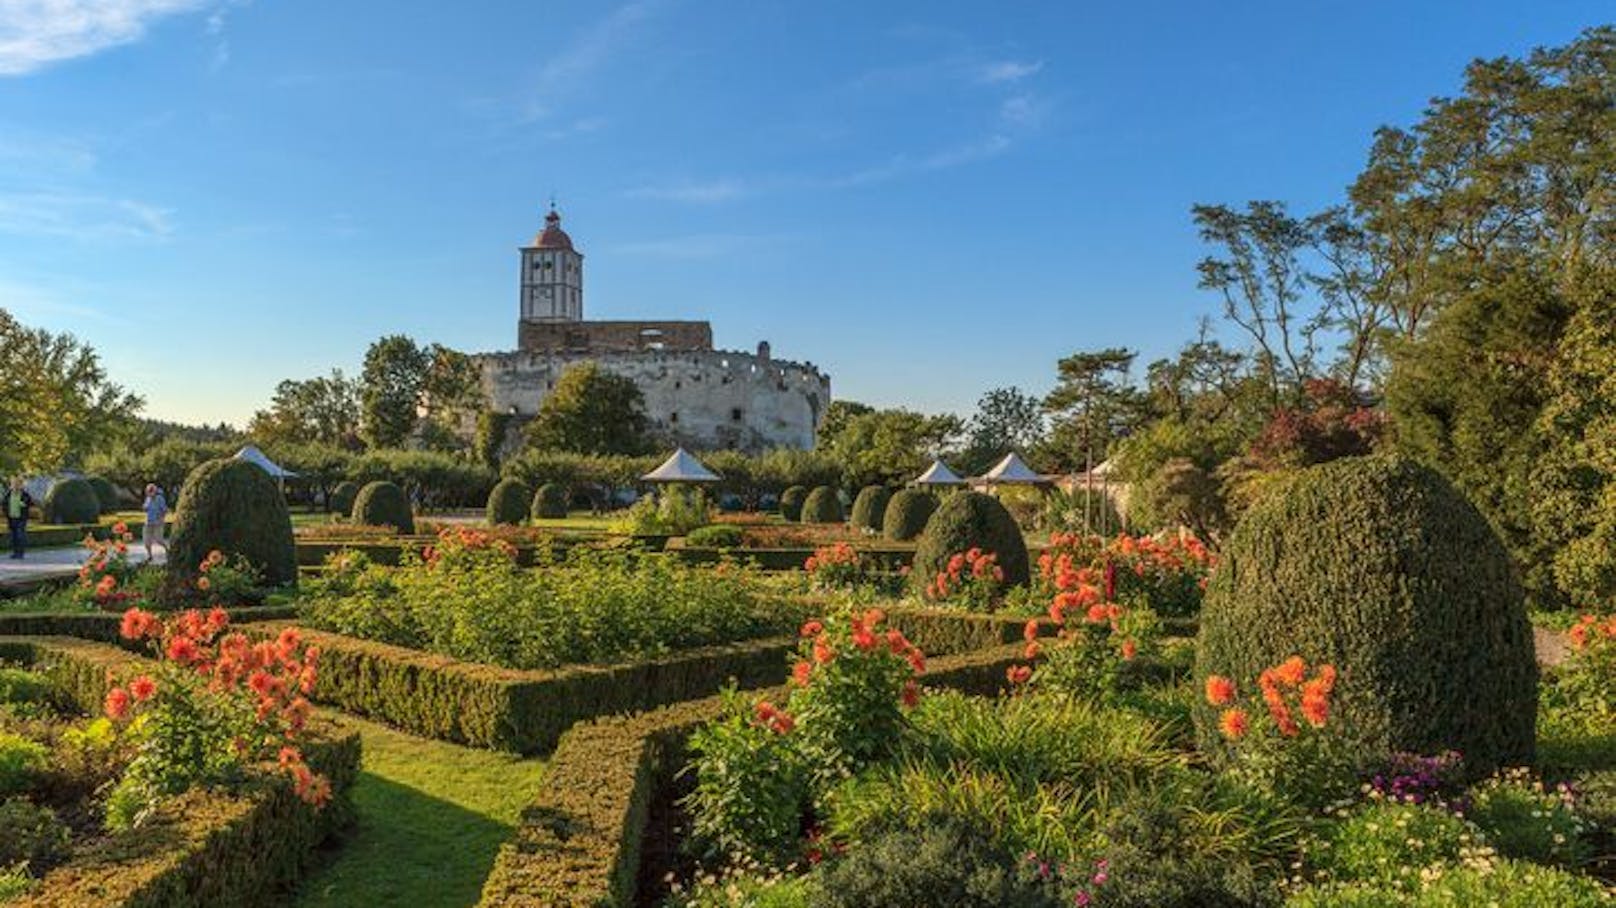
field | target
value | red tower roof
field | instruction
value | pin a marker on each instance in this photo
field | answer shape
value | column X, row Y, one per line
column 553, row 237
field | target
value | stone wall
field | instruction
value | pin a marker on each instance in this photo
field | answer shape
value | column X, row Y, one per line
column 703, row 399
column 612, row 336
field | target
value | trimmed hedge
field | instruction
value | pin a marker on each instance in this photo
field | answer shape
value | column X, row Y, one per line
column 1379, row 566
column 716, row 536
column 883, row 559
column 72, row 501
column 233, row 506
column 822, row 505
column 342, row 497
column 966, row 520
column 44, row 535
column 580, row 841
column 551, row 501
column 508, row 503
column 106, row 494
column 791, row 503
column 870, row 508
column 382, row 503
column 907, row 514
column 102, row 627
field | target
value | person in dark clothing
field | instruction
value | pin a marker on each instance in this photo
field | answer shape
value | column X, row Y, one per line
column 16, row 503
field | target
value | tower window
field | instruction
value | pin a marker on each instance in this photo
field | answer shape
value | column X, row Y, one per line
column 735, row 414
column 673, row 417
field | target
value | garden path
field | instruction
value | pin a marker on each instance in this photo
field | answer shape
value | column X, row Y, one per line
column 51, row 564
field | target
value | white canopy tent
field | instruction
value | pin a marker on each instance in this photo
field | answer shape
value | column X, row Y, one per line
column 1012, row 470
column 681, row 467
column 938, row 474
column 259, row 459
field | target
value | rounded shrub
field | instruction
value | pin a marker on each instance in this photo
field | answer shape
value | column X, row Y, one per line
column 72, row 501
column 1380, row 567
column 551, row 501
column 508, row 502
column 342, row 497
column 822, row 505
column 105, row 493
column 870, row 507
column 967, row 520
column 382, row 503
column 907, row 514
column 715, row 536
column 791, row 502
column 233, row 506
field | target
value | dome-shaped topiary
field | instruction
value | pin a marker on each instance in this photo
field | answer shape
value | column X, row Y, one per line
column 72, row 501
column 1378, row 566
column 967, row 520
column 508, row 503
column 791, row 502
column 907, row 514
column 551, row 501
column 822, row 505
column 383, row 504
column 342, row 497
column 870, row 508
column 233, row 506
column 106, row 494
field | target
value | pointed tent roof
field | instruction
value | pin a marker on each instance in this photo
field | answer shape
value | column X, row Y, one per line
column 681, row 467
column 1012, row 470
column 938, row 474
column 252, row 455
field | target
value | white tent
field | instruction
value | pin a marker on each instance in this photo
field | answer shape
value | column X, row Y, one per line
column 257, row 458
column 1012, row 470
column 938, row 474
column 681, row 467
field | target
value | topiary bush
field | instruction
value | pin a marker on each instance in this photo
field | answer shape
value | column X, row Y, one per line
column 715, row 536
column 105, row 493
column 72, row 501
column 383, row 504
column 822, row 506
column 967, row 520
column 342, row 497
column 508, row 503
column 233, row 506
column 1379, row 566
column 907, row 514
column 791, row 502
column 870, row 508
column 551, row 501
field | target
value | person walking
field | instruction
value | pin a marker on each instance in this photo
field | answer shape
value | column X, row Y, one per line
column 156, row 511
column 17, row 502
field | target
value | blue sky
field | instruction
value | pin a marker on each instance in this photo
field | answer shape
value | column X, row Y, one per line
column 925, row 199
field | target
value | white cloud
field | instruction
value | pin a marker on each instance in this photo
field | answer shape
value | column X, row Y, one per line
column 82, row 217
column 1023, row 110
column 1007, row 70
column 37, row 33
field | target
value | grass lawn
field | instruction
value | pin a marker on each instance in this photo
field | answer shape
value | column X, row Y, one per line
column 431, row 819
column 579, row 520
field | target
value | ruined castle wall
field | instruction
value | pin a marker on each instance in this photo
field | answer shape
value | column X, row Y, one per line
column 704, row 399
column 612, row 336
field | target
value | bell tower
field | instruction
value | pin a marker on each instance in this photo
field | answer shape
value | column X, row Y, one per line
column 552, row 278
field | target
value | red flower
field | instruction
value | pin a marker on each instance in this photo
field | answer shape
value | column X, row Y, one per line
column 863, row 639
column 117, row 703
column 1291, row 671
column 917, row 660
column 143, row 687
column 218, row 620
column 1219, row 690
column 823, row 653
column 812, row 629
column 1031, row 652
column 182, row 649
column 801, row 672
column 137, row 624
column 1234, row 724
column 1129, row 650
column 911, row 694
column 1018, row 674
column 1029, row 632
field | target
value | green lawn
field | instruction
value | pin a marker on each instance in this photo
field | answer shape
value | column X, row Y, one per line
column 431, row 819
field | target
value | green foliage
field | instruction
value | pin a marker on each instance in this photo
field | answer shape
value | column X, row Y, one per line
column 508, row 504
column 1525, row 819
column 716, row 536
column 886, row 447
column 673, row 511
column 234, row 507
column 324, row 410
column 591, row 411
column 105, row 493
column 21, row 760
column 751, row 788
column 390, row 390
column 343, row 495
column 1505, row 884
column 907, row 513
column 382, row 503
column 1390, row 844
column 791, row 503
column 72, row 501
column 1379, row 567
column 31, row 834
column 22, row 686
column 551, row 501
column 439, row 479
column 1091, row 406
column 870, row 508
column 967, row 520
column 822, row 505
column 938, row 862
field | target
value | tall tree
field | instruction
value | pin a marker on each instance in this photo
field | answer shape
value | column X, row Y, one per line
column 56, row 402
column 889, row 446
column 1091, row 406
column 322, row 409
column 1006, row 419
column 390, row 390
column 591, row 411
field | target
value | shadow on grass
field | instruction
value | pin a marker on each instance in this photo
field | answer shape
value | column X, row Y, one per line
column 408, row 848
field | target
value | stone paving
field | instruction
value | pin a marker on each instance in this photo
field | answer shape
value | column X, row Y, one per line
column 49, row 564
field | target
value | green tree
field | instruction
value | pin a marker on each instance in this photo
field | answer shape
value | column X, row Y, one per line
column 56, row 403
column 1006, row 419
column 1092, row 406
column 390, row 389
column 323, row 409
column 888, row 447
column 591, row 411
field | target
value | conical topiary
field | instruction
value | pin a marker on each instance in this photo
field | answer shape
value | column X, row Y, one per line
column 822, row 505
column 907, row 513
column 870, row 508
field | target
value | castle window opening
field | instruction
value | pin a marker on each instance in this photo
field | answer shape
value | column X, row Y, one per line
column 735, row 414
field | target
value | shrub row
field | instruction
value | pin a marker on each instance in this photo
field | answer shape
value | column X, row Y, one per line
column 789, row 559
column 579, row 842
column 523, row 711
column 312, row 553
column 103, row 626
